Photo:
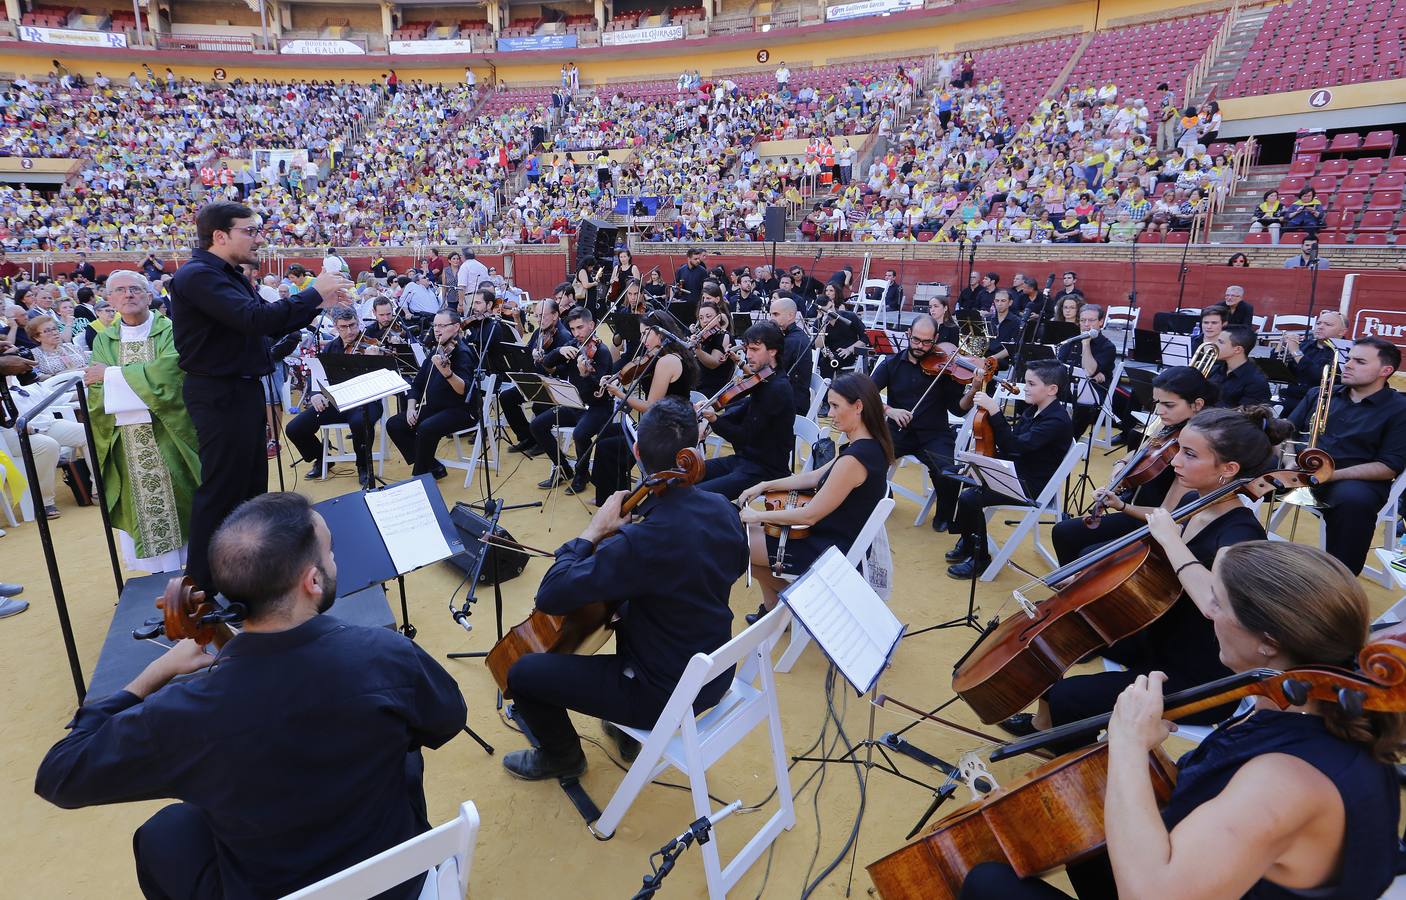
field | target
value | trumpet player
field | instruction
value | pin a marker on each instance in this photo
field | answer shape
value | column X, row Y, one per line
column 1362, row 425
column 1307, row 360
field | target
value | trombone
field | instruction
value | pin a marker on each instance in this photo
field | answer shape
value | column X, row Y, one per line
column 1317, row 424
column 1205, row 359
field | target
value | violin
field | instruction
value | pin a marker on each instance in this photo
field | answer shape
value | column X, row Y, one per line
column 185, row 613
column 1053, row 815
column 774, row 500
column 944, row 359
column 631, row 371
column 735, row 389
column 585, row 629
column 1150, row 461
column 1108, row 594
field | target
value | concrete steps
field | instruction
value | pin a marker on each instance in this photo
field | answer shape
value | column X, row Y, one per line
column 1237, row 46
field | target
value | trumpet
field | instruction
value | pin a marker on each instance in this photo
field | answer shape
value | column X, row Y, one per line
column 1204, row 359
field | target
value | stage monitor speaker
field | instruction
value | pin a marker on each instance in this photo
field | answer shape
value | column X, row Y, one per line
column 595, row 239
column 502, row 563
column 776, row 223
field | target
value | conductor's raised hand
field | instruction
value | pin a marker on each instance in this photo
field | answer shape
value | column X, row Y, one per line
column 332, row 287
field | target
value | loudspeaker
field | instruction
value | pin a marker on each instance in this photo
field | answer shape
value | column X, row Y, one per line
column 595, row 239
column 502, row 563
column 776, row 223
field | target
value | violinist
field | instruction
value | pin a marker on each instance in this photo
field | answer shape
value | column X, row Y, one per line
column 1240, row 381
column 1366, row 436
column 1299, row 802
column 917, row 411
column 302, row 430
column 1036, row 442
column 300, row 752
column 797, row 361
column 656, row 292
column 546, row 345
column 587, row 360
column 441, row 399
column 844, row 333
column 1216, row 447
column 632, row 303
column 1307, row 360
column 715, row 365
column 760, row 426
column 1097, row 356
column 673, row 600
column 391, row 333
column 667, row 369
column 589, row 284
column 483, row 328
column 1004, row 325
column 846, row 490
column 1178, row 393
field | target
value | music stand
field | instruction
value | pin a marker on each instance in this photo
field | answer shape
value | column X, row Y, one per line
column 1083, row 391
column 352, row 523
column 1274, row 369
column 1147, row 347
column 1059, row 332
column 626, row 326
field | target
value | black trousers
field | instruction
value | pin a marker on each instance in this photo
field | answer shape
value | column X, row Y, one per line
column 614, row 459
column 971, row 517
column 175, row 849
column 731, row 475
column 510, row 401
column 1072, row 538
column 1352, row 518
column 546, row 685
column 228, row 414
column 418, row 442
column 588, row 422
column 303, row 430
column 936, row 452
column 1092, row 880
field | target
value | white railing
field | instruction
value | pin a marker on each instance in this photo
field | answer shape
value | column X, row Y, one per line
column 1203, row 67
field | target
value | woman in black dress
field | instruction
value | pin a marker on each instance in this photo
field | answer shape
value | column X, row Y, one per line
column 1178, row 393
column 671, row 371
column 1218, row 446
column 846, row 490
column 715, row 367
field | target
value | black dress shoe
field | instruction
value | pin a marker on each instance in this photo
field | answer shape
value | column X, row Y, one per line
column 941, row 526
column 556, row 478
column 754, row 618
column 626, row 746
column 522, row 446
column 1018, row 725
column 970, row 568
column 962, row 550
column 439, row 471
column 315, row 470
column 534, row 765
column 579, row 485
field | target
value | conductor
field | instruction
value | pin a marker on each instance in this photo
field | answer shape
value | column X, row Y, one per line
column 222, row 330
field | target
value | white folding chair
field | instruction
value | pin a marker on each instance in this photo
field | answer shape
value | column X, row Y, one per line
column 818, row 387
column 712, row 445
column 1257, row 322
column 1282, row 322
column 808, row 431
column 1104, row 425
column 1385, row 527
column 339, row 434
column 692, row 744
column 446, row 853
column 1048, row 503
column 1125, row 317
column 469, row 462
column 856, row 556
column 924, row 500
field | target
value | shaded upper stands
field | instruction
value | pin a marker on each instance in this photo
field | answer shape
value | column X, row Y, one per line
column 1316, row 43
column 439, row 31
column 1026, row 70
column 1140, row 57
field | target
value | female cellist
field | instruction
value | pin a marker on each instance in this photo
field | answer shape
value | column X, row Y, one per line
column 1178, row 393
column 715, row 366
column 1301, row 802
column 669, row 370
column 846, row 490
column 1217, row 447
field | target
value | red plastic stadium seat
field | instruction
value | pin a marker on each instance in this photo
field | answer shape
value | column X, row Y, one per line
column 1313, row 143
column 1379, row 140
column 1376, row 220
column 1261, row 237
column 1324, row 184
column 1177, row 237
column 1150, row 237
column 1368, row 165
column 1349, row 200
column 1304, row 166
column 1385, row 200
column 1391, row 181
column 1345, row 143
column 1292, row 184
column 1340, row 218
column 1292, row 237
column 1357, row 183
column 1374, row 239
column 1335, row 167
column 1332, row 237
column 1396, row 164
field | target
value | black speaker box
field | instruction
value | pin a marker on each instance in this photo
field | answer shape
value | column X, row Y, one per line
column 775, row 223
column 595, row 239
column 502, row 564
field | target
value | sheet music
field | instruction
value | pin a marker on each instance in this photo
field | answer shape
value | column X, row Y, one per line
column 1086, row 395
column 997, row 474
column 408, row 525
column 564, row 393
column 365, row 388
column 847, row 619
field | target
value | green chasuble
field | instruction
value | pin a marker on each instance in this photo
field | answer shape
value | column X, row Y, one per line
column 150, row 471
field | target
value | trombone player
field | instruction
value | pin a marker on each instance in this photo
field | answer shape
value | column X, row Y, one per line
column 1362, row 424
column 1307, row 360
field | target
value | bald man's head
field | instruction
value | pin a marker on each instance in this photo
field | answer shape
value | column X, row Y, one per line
column 783, row 312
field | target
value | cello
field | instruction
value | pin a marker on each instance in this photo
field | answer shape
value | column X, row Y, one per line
column 585, row 629
column 1053, row 815
column 185, row 613
column 1114, row 591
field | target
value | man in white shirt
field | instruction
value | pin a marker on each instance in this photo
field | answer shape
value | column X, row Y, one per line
column 269, row 289
column 783, row 75
column 471, row 274
column 334, row 263
column 417, row 297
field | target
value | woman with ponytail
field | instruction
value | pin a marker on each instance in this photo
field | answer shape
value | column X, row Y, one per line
column 1218, row 446
column 1275, row 804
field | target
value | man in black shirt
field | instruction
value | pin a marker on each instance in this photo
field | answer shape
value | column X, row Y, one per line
column 967, row 298
column 1070, row 288
column 1241, row 313
column 760, row 426
column 1213, row 319
column 222, row 329
column 1240, row 381
column 746, row 299
column 982, row 296
column 1030, row 300
column 893, row 291
column 587, row 359
column 85, row 269
column 797, row 363
column 303, row 429
column 668, row 575
column 1036, row 443
column 1307, row 361
column 918, row 407
column 546, row 344
column 1366, row 436
column 1005, row 327
column 845, row 337
column 766, row 280
column 300, row 752
column 806, row 287
column 688, row 287
column 1097, row 356
column 442, row 399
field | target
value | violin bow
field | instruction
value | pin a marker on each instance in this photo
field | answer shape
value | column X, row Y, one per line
column 918, row 715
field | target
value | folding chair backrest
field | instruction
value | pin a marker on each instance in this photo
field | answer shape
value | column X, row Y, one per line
column 755, row 641
column 860, row 548
column 1072, row 458
column 807, row 431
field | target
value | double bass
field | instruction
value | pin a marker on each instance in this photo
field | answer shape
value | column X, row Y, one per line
column 1113, row 592
column 586, row 628
column 1053, row 815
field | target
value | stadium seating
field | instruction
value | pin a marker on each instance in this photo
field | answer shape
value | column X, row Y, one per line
column 1319, row 43
column 1139, row 57
column 1026, row 70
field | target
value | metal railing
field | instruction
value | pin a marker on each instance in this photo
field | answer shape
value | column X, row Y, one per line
column 223, row 43
column 1244, row 156
column 1203, row 66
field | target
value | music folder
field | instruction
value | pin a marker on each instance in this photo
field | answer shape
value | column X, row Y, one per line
column 545, row 389
column 504, row 357
column 997, row 474
column 354, row 381
column 850, row 623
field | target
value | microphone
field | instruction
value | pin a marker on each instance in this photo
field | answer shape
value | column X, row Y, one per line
column 1049, row 282
column 1080, row 337
column 670, row 337
column 462, row 617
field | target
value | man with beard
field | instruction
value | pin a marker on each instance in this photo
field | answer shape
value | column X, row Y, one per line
column 301, row 749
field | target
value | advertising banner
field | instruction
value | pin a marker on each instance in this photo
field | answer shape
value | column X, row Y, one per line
column 73, row 38
column 642, row 35
column 537, row 42
column 458, row 45
column 869, row 8
column 318, row 47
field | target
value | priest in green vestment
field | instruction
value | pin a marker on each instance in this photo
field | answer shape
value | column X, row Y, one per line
column 147, row 449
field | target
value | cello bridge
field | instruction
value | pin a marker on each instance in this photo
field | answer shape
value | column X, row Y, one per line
column 1027, row 605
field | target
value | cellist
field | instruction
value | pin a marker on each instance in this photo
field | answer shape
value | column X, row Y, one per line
column 1216, row 447
column 673, row 600
column 1300, row 802
column 1036, row 442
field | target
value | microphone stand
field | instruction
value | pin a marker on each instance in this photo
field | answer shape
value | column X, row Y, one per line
column 1313, row 283
column 490, row 433
column 1181, row 276
column 1132, row 326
